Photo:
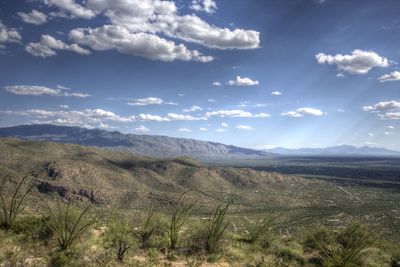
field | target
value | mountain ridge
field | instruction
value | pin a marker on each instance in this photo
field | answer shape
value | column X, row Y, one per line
column 148, row 145
column 336, row 150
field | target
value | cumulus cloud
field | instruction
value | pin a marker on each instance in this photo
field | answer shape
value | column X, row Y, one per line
column 142, row 129
column 193, row 109
column 390, row 116
column 85, row 118
column 35, row 90
column 221, row 130
column 235, row 114
column 72, row 8
column 224, row 124
column 34, row 17
column 211, row 100
column 393, row 76
column 276, row 93
column 383, row 106
column 216, row 84
column 203, row 129
column 239, row 81
column 302, row 112
column 141, row 44
column 244, row 127
column 184, row 130
column 64, row 106
column 359, row 62
column 208, row 6
column 146, row 101
column 48, row 45
column 8, row 35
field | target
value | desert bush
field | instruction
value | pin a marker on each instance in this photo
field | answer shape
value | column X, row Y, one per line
column 259, row 227
column 119, row 237
column 396, row 259
column 180, row 213
column 68, row 223
column 216, row 228
column 344, row 248
column 11, row 208
column 149, row 227
column 34, row 227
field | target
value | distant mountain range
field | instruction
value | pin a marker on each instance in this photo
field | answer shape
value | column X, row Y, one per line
column 342, row 150
column 148, row 145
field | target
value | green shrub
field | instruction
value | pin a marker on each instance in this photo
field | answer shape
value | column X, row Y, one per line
column 11, row 208
column 149, row 227
column 396, row 259
column 342, row 249
column 179, row 215
column 118, row 237
column 60, row 259
column 34, row 227
column 216, row 228
column 68, row 223
column 257, row 228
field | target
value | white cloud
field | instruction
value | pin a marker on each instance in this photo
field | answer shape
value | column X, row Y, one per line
column 276, row 93
column 383, row 106
column 211, row 100
column 370, row 134
column 64, row 106
column 359, row 62
column 84, row 118
column 141, row 44
column 243, row 82
column 221, row 130
column 179, row 117
column 340, row 110
column 35, row 90
column 390, row 116
column 142, row 129
column 216, row 84
column 8, row 35
column 149, row 117
column 224, row 124
column 203, row 129
column 391, row 127
column 389, row 133
column 48, row 45
column 244, row 127
column 193, row 109
column 184, row 130
column 208, row 6
column 235, row 114
column 34, row 17
column 146, row 101
column 301, row 112
column 71, row 7
column 393, row 76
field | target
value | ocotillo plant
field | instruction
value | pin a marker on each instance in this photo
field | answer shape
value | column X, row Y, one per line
column 68, row 223
column 216, row 228
column 12, row 207
column 180, row 214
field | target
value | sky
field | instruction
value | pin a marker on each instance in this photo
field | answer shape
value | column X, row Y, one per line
column 251, row 73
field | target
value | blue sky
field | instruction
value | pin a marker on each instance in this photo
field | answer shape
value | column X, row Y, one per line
column 253, row 73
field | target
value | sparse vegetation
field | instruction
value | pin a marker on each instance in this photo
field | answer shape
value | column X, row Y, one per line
column 179, row 215
column 343, row 248
column 260, row 226
column 119, row 237
column 11, row 208
column 68, row 223
column 216, row 228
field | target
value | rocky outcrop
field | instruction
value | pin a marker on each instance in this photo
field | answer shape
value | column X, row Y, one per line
column 94, row 196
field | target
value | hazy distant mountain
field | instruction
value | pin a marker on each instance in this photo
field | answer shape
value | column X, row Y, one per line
column 148, row 145
column 342, row 150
